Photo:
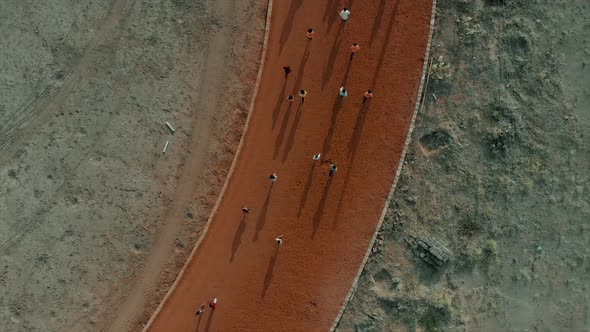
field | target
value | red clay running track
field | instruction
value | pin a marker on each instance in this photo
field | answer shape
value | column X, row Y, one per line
column 327, row 223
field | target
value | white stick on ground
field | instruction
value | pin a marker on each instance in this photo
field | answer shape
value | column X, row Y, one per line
column 165, row 147
column 170, row 127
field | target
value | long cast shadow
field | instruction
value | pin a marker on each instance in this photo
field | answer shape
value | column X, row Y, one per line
column 299, row 78
column 330, row 13
column 387, row 40
column 298, row 86
column 280, row 100
column 356, row 134
column 328, row 139
column 269, row 271
column 281, row 134
column 198, row 322
column 291, row 137
column 330, row 9
column 329, row 69
column 209, row 321
column 263, row 212
column 377, row 21
column 238, row 237
column 345, row 79
column 317, row 217
column 288, row 25
column 341, row 199
column 306, row 190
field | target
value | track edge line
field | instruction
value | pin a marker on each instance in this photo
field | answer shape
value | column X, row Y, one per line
column 354, row 285
column 229, row 174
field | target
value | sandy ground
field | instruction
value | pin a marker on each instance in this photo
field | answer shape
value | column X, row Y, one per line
column 326, row 222
column 498, row 173
column 87, row 201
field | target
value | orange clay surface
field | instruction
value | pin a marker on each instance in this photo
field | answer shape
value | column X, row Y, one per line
column 326, row 223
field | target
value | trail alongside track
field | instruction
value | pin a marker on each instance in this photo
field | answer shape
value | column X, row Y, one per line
column 326, row 222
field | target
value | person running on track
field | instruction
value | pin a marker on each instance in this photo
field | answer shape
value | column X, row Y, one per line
column 353, row 49
column 310, row 34
column 279, row 240
column 344, row 13
column 200, row 311
column 302, row 94
column 245, row 209
column 317, row 156
column 287, row 70
column 367, row 95
column 213, row 304
column 273, row 177
column 342, row 92
column 333, row 169
column 291, row 98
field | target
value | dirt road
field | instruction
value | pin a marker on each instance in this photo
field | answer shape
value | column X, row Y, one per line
column 89, row 206
column 326, row 222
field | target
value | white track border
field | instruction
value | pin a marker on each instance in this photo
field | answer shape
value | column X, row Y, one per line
column 354, row 285
column 229, row 174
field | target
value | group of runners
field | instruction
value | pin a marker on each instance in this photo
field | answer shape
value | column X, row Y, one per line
column 367, row 95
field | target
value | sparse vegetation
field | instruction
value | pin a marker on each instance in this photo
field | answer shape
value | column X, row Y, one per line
column 490, row 248
column 440, row 70
column 469, row 30
column 506, row 190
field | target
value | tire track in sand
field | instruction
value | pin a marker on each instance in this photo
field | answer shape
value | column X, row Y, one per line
column 41, row 105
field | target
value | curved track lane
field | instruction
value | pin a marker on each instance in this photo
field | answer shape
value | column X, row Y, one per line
column 326, row 222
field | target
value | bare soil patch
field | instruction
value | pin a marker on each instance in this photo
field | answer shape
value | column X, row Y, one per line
column 85, row 192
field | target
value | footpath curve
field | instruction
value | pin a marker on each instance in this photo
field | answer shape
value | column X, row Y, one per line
column 418, row 103
column 326, row 222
